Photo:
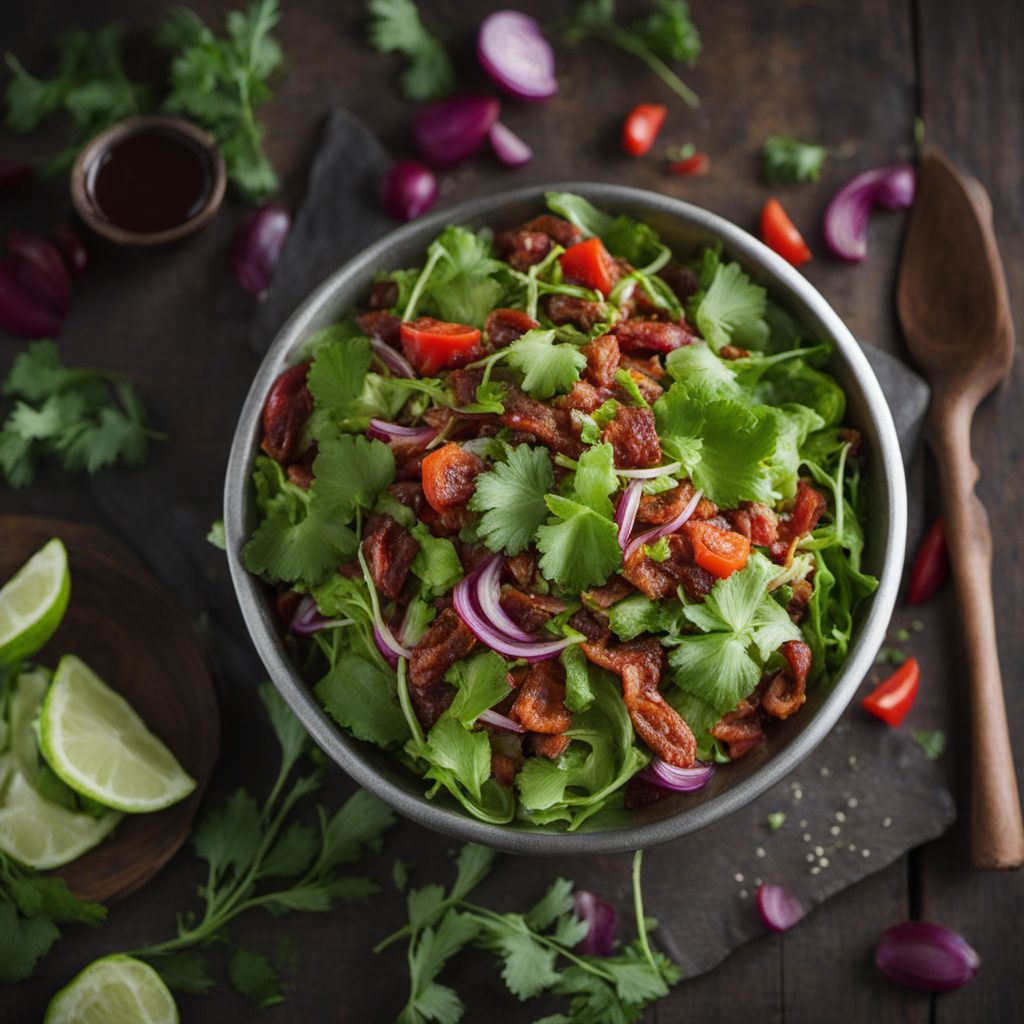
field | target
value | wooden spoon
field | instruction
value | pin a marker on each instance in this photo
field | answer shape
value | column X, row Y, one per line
column 955, row 313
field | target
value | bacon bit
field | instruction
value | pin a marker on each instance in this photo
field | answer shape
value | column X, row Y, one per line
column 528, row 611
column 522, row 568
column 741, row 730
column 657, row 580
column 551, row 747
column 540, row 702
column 581, row 313
column 755, row 521
column 504, row 768
column 300, row 474
column 552, row 427
column 556, row 228
column 733, row 352
column 381, row 325
column 610, row 593
column 446, row 641
column 650, row 389
column 602, row 360
column 449, row 477
column 383, row 294
column 584, row 397
column 681, row 279
column 503, row 326
column 786, row 693
column 522, row 249
column 289, row 404
column 650, row 366
column 801, row 599
column 592, row 624
column 651, row 336
column 389, row 549
column 634, row 436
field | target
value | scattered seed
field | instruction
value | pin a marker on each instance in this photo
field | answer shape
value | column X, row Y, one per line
column 823, row 862
column 743, row 894
column 803, row 823
column 834, row 830
column 852, row 759
column 917, row 625
column 852, row 848
column 824, row 773
column 886, row 822
column 760, row 851
column 902, row 635
column 738, row 877
column 840, row 816
column 865, row 853
column 798, row 794
column 809, row 858
column 852, row 802
column 807, row 837
column 815, row 870
column 819, row 850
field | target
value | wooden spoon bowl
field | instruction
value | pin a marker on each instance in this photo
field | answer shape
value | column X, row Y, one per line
column 144, row 644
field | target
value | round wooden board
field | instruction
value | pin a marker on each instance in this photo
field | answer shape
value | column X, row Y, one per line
column 144, row 644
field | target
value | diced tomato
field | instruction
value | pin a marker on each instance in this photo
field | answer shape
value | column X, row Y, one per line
column 588, row 263
column 432, row 345
column 891, row 699
column 931, row 566
column 719, row 551
column 642, row 127
column 779, row 233
column 692, row 166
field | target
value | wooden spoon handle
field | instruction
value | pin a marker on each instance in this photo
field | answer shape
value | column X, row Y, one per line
column 997, row 832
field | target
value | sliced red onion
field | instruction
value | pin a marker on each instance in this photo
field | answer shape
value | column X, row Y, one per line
column 14, row 175
column 602, row 922
column 307, row 619
column 408, row 190
column 923, row 955
column 488, row 598
column 516, row 56
column 465, row 601
column 680, row 780
column 72, row 248
column 389, row 653
column 20, row 313
column 493, row 718
column 846, row 217
column 779, row 908
column 393, row 360
column 625, row 512
column 661, row 531
column 411, row 437
column 41, row 269
column 257, row 247
column 450, row 131
column 648, row 474
column 508, row 147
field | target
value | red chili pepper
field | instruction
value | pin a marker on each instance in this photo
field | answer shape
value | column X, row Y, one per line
column 642, row 127
column 891, row 699
column 696, row 164
column 931, row 565
column 432, row 345
column 779, row 233
column 720, row 552
column 588, row 263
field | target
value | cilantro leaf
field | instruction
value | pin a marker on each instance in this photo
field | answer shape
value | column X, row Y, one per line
column 528, row 966
column 547, row 368
column 789, row 160
column 731, row 310
column 595, row 478
column 480, row 682
column 395, row 27
column 578, row 692
column 932, row 742
column 338, row 373
column 638, row 614
column 580, row 548
column 253, row 976
column 306, row 550
column 703, row 372
column 511, row 497
column 669, row 32
column 362, row 698
column 467, row 755
column 458, row 281
column 436, row 563
column 350, row 472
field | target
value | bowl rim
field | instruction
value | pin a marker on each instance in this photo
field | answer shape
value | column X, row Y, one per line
column 343, row 750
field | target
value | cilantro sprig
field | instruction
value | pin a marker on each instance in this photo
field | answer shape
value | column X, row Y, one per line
column 535, row 949
column 789, row 160
column 395, row 27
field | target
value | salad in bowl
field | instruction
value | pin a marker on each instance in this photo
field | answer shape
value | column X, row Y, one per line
column 562, row 520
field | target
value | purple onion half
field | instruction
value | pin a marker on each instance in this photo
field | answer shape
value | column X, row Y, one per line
column 20, row 313
column 257, row 247
column 846, row 216
column 923, row 955
column 513, row 51
column 678, row 780
column 41, row 270
column 602, row 922
column 450, row 131
column 779, row 908
column 408, row 190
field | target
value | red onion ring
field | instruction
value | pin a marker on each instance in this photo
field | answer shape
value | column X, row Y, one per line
column 779, row 908
column 660, row 531
column 411, row 437
column 625, row 512
column 846, row 216
column 394, row 361
column 511, row 150
column 648, row 474
column 516, row 56
column 678, row 780
column 488, row 597
column 498, row 721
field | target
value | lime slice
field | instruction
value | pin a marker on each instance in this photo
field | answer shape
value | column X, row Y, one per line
column 25, row 702
column 114, row 990
column 33, row 601
column 40, row 833
column 93, row 739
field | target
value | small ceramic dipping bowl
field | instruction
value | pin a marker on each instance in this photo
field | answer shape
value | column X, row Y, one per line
column 148, row 181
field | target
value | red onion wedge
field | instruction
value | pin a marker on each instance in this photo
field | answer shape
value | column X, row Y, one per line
column 508, row 147
column 41, row 270
column 467, row 605
column 516, row 56
column 661, row 531
column 625, row 512
column 923, row 955
column 499, row 721
column 602, row 922
column 779, row 908
column 20, row 313
column 679, row 780
column 408, row 190
column 648, row 474
column 846, row 217
column 450, row 131
column 257, row 247
column 394, row 361
column 412, row 438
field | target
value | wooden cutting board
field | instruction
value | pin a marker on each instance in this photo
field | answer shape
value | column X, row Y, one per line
column 144, row 644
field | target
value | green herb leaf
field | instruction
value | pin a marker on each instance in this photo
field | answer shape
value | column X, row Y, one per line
column 732, row 309
column 436, row 563
column 578, row 693
column 363, row 698
column 789, row 160
column 548, row 369
column 253, row 976
column 480, row 681
column 669, row 32
column 932, row 742
column 776, row 820
column 395, row 27
column 580, row 548
column 512, row 498
column 467, row 755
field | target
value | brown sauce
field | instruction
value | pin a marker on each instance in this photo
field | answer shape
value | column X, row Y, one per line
column 151, row 180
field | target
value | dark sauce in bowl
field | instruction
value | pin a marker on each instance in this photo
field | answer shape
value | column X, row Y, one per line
column 150, row 180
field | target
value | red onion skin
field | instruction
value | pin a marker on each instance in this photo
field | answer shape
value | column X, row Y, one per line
column 449, row 132
column 625, row 512
column 499, row 721
column 19, row 312
column 408, row 190
column 508, row 36
column 602, row 923
column 677, row 780
column 14, row 175
column 257, row 247
column 72, row 248
column 508, row 147
column 927, row 956
column 779, row 908
column 42, row 270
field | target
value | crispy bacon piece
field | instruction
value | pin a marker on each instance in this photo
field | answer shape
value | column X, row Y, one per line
column 801, row 599
column 740, row 730
column 408, row 493
column 528, row 611
column 449, row 477
column 755, row 521
column 610, row 593
column 808, row 507
column 463, row 384
column 522, row 568
column 472, row 556
column 288, row 406
column 855, row 439
column 383, row 294
column 592, row 624
column 659, row 579
column 786, row 693
column 582, row 313
column 503, row 326
column 447, row 641
column 584, row 397
column 540, row 703
column 650, row 366
column 551, row 747
column 552, row 427
column 697, row 582
column 522, row 248
column 381, row 325
column 733, row 352
column 300, row 474
column 504, row 767
column 659, row 725
column 634, row 436
column 602, row 360
column 556, row 228
column 681, row 279
column 636, row 335
column 389, row 550
column 650, row 389
column 658, row 509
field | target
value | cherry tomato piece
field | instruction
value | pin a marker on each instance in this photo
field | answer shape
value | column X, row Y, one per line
column 779, row 233
column 696, row 164
column 589, row 264
column 432, row 345
column 931, row 565
column 720, row 552
column 642, row 127
column 892, row 698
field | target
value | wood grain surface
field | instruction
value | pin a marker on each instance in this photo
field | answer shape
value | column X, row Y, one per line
column 852, row 76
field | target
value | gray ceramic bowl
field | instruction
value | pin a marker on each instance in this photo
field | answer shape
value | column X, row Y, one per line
column 685, row 228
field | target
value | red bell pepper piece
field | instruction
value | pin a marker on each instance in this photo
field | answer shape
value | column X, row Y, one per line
column 642, row 127
column 720, row 552
column 779, row 233
column 891, row 699
column 931, row 564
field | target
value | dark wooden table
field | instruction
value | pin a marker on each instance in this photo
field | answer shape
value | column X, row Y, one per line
column 851, row 75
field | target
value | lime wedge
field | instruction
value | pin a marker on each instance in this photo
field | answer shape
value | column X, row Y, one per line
column 93, row 740
column 25, row 701
column 39, row 833
column 33, row 601
column 114, row 990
